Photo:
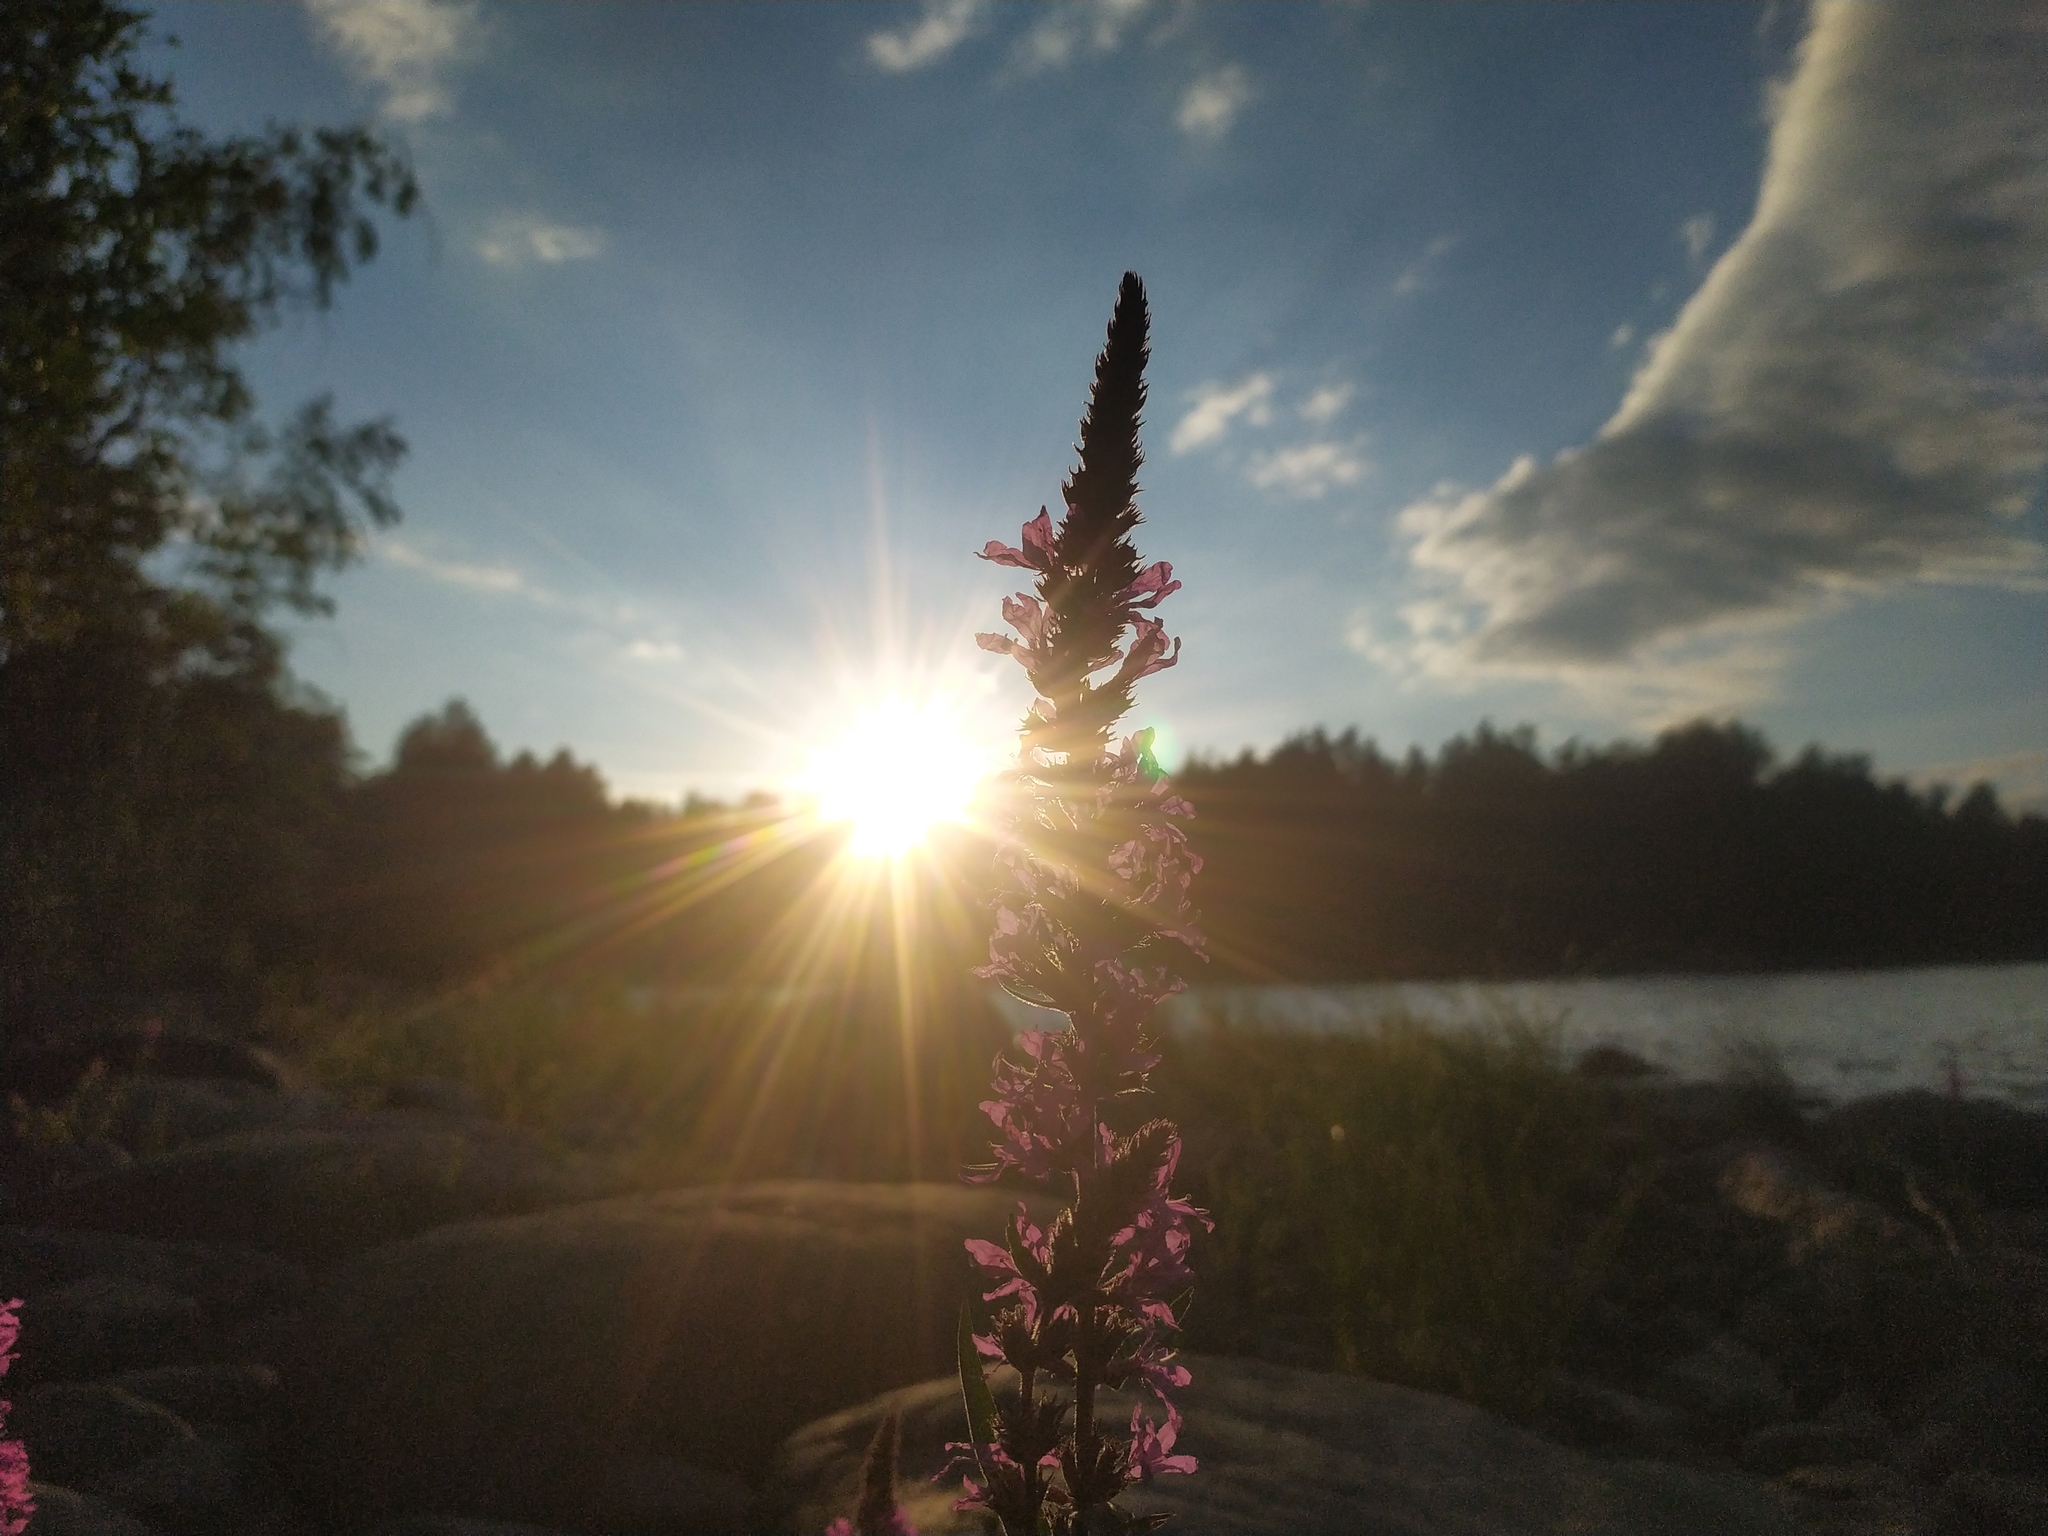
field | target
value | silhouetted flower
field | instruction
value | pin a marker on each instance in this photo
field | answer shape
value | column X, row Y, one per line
column 1091, row 917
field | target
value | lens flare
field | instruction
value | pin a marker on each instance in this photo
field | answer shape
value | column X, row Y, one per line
column 899, row 770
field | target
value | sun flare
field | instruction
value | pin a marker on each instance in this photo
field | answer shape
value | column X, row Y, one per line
column 899, row 770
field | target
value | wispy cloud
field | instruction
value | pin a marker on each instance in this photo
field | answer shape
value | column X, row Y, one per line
column 1623, row 335
column 1209, row 107
column 1216, row 406
column 512, row 240
column 940, row 28
column 1420, row 272
column 1326, row 404
column 1066, row 31
column 1696, row 234
column 403, row 47
column 1308, row 470
column 1852, row 401
column 654, row 651
column 457, row 573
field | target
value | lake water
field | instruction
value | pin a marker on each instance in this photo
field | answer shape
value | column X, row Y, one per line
column 1841, row 1033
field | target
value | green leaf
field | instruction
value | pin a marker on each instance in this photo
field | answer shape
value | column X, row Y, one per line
column 981, row 1403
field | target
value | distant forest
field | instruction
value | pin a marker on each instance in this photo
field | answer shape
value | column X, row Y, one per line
column 1329, row 861
column 240, row 861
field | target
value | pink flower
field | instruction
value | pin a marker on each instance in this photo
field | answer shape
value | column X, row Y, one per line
column 1036, row 555
column 15, row 1504
column 1152, row 1445
column 1154, row 583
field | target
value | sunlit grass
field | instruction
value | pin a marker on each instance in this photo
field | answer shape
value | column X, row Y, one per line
column 1424, row 1207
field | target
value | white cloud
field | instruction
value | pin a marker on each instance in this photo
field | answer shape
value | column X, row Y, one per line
column 1326, row 404
column 1308, row 470
column 402, row 46
column 1853, row 400
column 1417, row 275
column 1623, row 335
column 515, row 239
column 1065, row 30
column 654, row 650
column 1217, row 406
column 456, row 573
column 1210, row 106
column 941, row 27
column 1696, row 234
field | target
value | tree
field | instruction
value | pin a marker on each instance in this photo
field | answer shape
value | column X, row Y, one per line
column 149, row 521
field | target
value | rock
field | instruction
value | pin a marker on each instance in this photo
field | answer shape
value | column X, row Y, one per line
column 104, row 1323
column 1727, row 1384
column 1998, row 1150
column 318, row 1194
column 159, row 1114
column 1997, row 1506
column 188, row 1488
column 436, row 1095
column 1778, row 1448
column 43, row 1071
column 1980, row 1416
column 83, row 1435
column 1586, row 1413
column 219, row 1395
column 510, row 1368
column 101, row 1303
column 66, row 1512
column 448, row 1525
column 1768, row 1183
column 1304, row 1453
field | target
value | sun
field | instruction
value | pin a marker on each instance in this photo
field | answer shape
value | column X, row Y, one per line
column 901, row 768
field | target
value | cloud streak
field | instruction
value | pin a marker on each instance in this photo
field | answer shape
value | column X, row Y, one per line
column 1309, row 471
column 941, row 27
column 1853, row 400
column 1065, row 31
column 1209, row 107
column 1217, row 406
column 514, row 240
column 401, row 46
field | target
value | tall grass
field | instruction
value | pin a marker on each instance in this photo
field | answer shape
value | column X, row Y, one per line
column 1426, row 1207
column 697, row 1084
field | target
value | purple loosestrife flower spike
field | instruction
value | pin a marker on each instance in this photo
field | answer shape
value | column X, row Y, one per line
column 1092, row 917
column 15, row 1504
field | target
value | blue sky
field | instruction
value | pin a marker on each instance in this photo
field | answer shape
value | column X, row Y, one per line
column 1597, row 367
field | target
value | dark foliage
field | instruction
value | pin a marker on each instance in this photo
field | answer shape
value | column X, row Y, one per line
column 1329, row 861
column 164, row 792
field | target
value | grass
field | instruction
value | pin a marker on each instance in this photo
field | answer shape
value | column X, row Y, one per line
column 1425, row 1207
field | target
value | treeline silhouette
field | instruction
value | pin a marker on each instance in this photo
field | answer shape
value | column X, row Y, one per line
column 1328, row 860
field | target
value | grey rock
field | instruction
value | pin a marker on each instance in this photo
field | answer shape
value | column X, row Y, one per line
column 513, row 1368
column 84, row 1435
column 188, row 1478
column 1587, row 1413
column 452, row 1525
column 436, row 1095
column 224, row 1279
column 104, row 1323
column 1980, row 1416
column 1780, row 1447
column 162, row 1113
column 1306, row 1453
column 318, row 1194
column 1990, row 1505
column 1769, row 1183
column 219, row 1394
column 67, row 1512
column 1727, row 1384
